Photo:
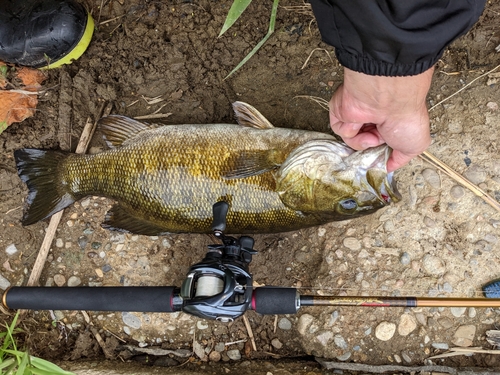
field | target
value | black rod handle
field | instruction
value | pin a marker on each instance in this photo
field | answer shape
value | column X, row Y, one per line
column 133, row 298
column 270, row 300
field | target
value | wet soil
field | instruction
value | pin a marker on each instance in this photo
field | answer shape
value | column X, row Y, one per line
column 165, row 57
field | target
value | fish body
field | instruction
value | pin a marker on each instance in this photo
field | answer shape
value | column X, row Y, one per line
column 166, row 179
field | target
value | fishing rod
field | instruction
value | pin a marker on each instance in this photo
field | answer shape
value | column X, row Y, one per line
column 219, row 287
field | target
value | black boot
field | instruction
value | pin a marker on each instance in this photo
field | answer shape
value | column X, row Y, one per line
column 43, row 33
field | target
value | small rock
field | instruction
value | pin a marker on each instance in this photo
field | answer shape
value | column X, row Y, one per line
column 445, row 322
column 385, row 331
column 458, row 311
column 127, row 330
column 220, row 347
column 59, row 242
column 99, row 272
column 340, row 342
column 432, row 178
column 214, row 356
column 11, row 249
column 74, row 281
column 201, row 324
column 407, row 324
column 276, row 343
column 421, row 318
column 285, row 324
column 85, row 203
column 82, row 242
column 131, row 320
column 492, row 106
column 344, row 357
column 4, row 283
column 324, row 337
column 352, row 243
column 234, row 354
column 405, row 259
column 59, row 279
column 304, row 322
column 96, row 245
column 429, row 222
column 440, row 345
column 475, row 174
column 433, row 265
column 397, row 358
column 457, row 192
column 199, row 350
column 106, row 268
column 472, row 312
column 406, row 357
column 464, row 336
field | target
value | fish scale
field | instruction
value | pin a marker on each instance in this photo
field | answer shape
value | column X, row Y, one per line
column 166, row 179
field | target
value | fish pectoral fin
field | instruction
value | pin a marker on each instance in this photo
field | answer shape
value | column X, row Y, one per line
column 251, row 163
column 120, row 219
column 246, row 115
column 117, row 130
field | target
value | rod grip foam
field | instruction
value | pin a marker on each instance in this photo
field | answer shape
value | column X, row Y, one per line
column 271, row 300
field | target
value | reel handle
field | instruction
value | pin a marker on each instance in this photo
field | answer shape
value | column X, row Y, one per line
column 133, row 298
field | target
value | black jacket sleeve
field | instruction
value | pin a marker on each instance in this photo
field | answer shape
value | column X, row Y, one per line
column 393, row 37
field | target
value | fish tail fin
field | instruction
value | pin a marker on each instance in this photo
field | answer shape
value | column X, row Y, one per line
column 38, row 169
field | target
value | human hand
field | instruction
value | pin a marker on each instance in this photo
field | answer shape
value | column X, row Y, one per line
column 367, row 111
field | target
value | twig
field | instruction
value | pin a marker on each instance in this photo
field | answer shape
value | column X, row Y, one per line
column 275, row 323
column 250, row 332
column 114, row 334
column 314, row 50
column 464, row 351
column 153, row 116
column 463, row 88
column 427, row 156
column 235, row 342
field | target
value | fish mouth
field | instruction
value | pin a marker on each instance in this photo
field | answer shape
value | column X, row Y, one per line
column 377, row 180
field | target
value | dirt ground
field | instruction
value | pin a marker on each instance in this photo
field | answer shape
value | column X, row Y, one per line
column 164, row 57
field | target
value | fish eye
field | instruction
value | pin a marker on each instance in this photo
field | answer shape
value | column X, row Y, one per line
column 348, row 204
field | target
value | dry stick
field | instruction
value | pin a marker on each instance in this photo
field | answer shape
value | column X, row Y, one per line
column 428, row 157
column 250, row 332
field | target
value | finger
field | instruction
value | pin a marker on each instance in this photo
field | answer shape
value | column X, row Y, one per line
column 362, row 141
column 397, row 160
column 346, row 129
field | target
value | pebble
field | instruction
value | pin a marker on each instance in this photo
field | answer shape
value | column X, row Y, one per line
column 433, row 265
column 406, row 357
column 201, row 324
column 11, row 249
column 407, row 324
column 421, row 318
column 493, row 106
column 430, row 223
column 214, row 356
column 432, row 178
column 285, row 324
column 220, row 347
column 472, row 312
column 234, row 354
column 276, row 343
column 324, row 337
column 59, row 279
column 59, row 242
column 385, row 331
column 321, row 232
column 99, row 272
column 457, row 192
column 344, row 357
column 74, row 281
column 4, row 283
column 457, row 312
column 340, row 342
column 405, row 259
column 82, row 242
column 464, row 336
column 106, row 268
column 96, row 245
column 131, row 320
column 85, row 203
column 440, row 345
column 304, row 322
column 397, row 358
column 352, row 243
column 475, row 174
column 445, row 322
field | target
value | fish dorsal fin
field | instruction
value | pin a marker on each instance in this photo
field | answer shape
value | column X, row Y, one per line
column 246, row 115
column 118, row 129
column 252, row 163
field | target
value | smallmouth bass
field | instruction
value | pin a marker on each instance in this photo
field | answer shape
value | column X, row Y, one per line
column 165, row 179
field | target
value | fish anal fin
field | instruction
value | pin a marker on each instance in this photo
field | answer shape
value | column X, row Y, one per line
column 117, row 130
column 246, row 115
column 252, row 163
column 120, row 219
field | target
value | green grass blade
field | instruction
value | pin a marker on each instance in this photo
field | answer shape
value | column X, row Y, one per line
column 22, row 366
column 272, row 23
column 41, row 366
column 6, row 363
column 234, row 13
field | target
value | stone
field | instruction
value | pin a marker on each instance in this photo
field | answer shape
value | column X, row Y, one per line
column 405, row 259
column 457, row 192
column 458, row 311
column 464, row 336
column 445, row 322
column 201, row 324
column 324, row 337
column 344, row 357
column 99, row 273
column 234, row 354
column 340, row 342
column 475, row 174
column 199, row 350
column 276, row 343
column 59, row 279
column 74, row 281
column 4, row 283
column 407, row 324
column 304, row 322
column 385, row 331
column 472, row 312
column 352, row 243
column 214, row 356
column 433, row 265
column 131, row 320
column 285, row 324
column 440, row 345
column 59, row 242
column 432, row 178
column 11, row 249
